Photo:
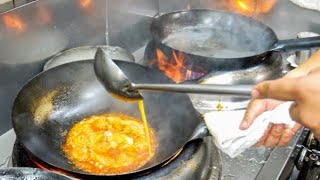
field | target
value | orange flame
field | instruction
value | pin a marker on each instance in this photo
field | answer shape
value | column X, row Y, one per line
column 178, row 68
column 13, row 22
column 172, row 70
column 244, row 5
column 85, row 3
column 251, row 6
column 86, row 6
column 40, row 166
column 173, row 157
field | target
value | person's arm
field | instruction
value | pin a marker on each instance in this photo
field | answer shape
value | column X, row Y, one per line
column 304, row 91
column 278, row 134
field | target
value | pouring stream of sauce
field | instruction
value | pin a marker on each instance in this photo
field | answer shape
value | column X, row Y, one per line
column 145, row 124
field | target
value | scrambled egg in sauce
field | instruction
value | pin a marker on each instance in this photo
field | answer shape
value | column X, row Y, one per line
column 109, row 144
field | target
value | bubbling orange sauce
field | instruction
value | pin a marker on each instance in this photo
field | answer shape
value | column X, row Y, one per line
column 109, row 144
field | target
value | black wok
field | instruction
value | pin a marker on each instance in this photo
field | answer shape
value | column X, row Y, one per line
column 217, row 40
column 71, row 92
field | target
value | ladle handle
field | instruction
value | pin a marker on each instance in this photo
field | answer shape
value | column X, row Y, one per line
column 297, row 44
column 243, row 90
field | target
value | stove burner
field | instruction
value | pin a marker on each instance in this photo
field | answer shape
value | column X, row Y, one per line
column 199, row 159
column 308, row 159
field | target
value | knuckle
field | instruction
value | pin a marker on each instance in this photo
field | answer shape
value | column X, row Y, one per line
column 276, row 131
column 274, row 136
column 271, row 141
column 249, row 115
column 285, row 139
column 254, row 109
column 270, row 145
column 269, row 89
column 264, row 88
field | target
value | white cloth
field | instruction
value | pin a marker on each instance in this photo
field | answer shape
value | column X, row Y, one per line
column 308, row 4
column 224, row 127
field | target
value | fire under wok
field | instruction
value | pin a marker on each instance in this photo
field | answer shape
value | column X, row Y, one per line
column 53, row 101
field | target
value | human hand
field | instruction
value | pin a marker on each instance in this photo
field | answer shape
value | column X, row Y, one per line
column 304, row 91
column 276, row 134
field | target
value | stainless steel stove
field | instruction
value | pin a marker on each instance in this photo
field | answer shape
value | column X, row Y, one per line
column 201, row 158
column 305, row 157
column 197, row 160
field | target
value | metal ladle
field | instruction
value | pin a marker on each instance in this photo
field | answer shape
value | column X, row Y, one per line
column 116, row 83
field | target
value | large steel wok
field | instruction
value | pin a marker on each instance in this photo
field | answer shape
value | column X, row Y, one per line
column 217, row 40
column 49, row 104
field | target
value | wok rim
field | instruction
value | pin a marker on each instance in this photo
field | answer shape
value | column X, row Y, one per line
column 157, row 18
column 135, row 173
column 31, row 170
column 86, row 47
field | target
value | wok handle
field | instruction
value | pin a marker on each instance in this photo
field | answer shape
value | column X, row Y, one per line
column 297, row 44
column 243, row 90
column 200, row 131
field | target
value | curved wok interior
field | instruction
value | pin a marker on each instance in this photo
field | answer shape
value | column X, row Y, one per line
column 71, row 92
column 213, row 33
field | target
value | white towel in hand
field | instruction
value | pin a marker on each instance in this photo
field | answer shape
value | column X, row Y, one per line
column 308, row 4
column 224, row 127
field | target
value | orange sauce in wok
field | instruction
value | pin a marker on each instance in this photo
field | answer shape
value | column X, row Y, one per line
column 110, row 143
